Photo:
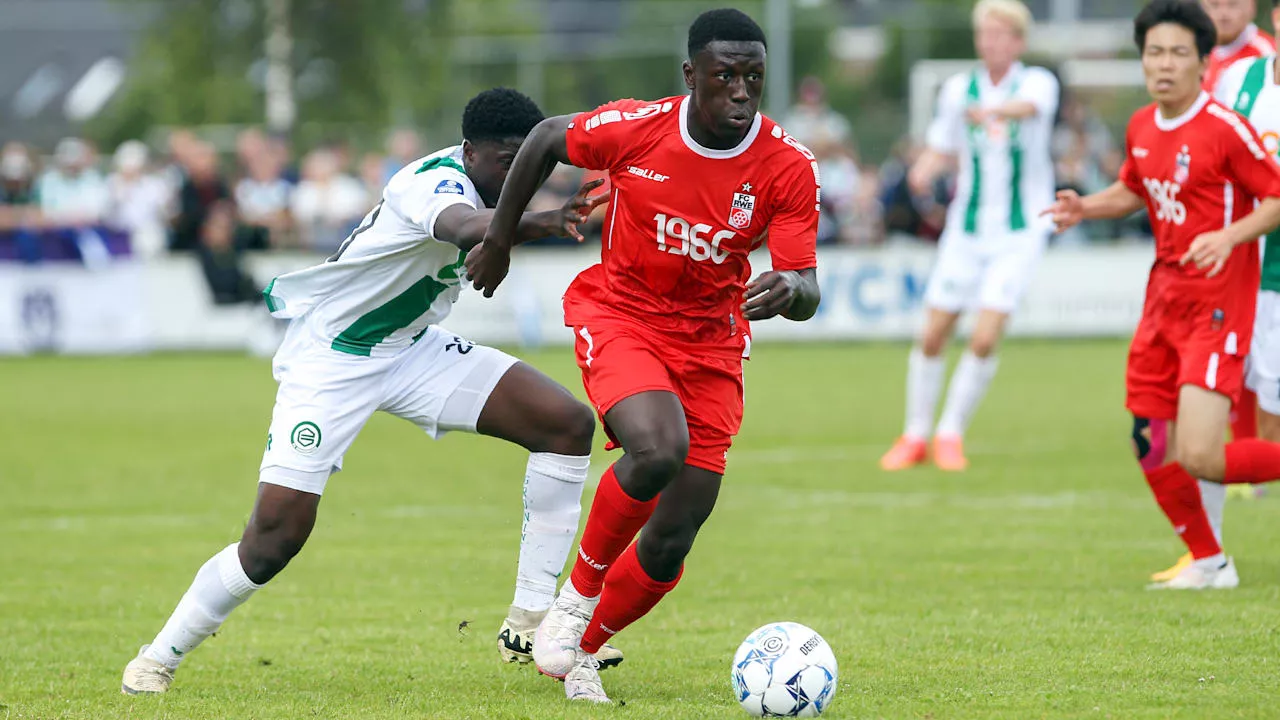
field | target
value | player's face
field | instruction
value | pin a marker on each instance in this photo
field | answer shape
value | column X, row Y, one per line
column 997, row 42
column 1230, row 17
column 488, row 163
column 1172, row 65
column 727, row 80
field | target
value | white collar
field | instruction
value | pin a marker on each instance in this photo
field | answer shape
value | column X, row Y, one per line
column 1177, row 122
column 1245, row 37
column 707, row 152
column 1013, row 71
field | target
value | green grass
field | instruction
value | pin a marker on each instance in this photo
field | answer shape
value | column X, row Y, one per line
column 1012, row 591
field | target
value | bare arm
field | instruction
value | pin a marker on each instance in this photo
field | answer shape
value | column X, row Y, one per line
column 1116, row 201
column 542, row 149
column 466, row 227
column 927, row 168
column 1014, row 110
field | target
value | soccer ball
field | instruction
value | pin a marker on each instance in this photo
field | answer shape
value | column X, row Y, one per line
column 784, row 670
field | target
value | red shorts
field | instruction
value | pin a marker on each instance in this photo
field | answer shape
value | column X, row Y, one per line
column 619, row 360
column 1191, row 345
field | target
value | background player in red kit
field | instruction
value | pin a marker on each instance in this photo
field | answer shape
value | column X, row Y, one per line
column 1237, row 37
column 661, row 323
column 1197, row 166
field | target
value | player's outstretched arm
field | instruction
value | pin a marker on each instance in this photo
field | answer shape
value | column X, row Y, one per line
column 926, row 170
column 541, row 150
column 793, row 294
column 1116, row 201
column 1211, row 250
column 465, row 226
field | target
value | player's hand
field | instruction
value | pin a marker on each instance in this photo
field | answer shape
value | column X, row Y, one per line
column 920, row 180
column 977, row 115
column 1067, row 212
column 1210, row 250
column 578, row 209
column 770, row 295
column 487, row 266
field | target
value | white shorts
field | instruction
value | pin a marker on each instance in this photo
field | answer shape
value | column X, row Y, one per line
column 440, row 383
column 1262, row 369
column 989, row 273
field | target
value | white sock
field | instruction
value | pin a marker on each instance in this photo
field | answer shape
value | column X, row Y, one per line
column 968, row 386
column 552, row 505
column 1214, row 497
column 924, row 385
column 220, row 587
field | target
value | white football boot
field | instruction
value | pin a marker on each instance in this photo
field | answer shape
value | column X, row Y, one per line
column 1198, row 576
column 515, row 639
column 555, row 644
column 145, row 676
column 583, row 679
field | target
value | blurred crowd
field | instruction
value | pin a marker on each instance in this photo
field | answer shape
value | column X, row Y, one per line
column 257, row 196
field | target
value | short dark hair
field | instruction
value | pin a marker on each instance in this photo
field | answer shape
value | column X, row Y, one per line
column 725, row 24
column 499, row 114
column 1186, row 13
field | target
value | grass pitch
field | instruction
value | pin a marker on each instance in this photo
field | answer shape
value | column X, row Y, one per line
column 1012, row 591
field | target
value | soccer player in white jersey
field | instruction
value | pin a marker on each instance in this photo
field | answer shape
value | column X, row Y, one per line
column 996, row 121
column 364, row 336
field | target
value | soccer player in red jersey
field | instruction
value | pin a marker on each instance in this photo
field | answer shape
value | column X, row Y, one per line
column 1197, row 166
column 698, row 182
column 1238, row 37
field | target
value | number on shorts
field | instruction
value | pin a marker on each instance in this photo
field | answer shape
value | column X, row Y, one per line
column 461, row 346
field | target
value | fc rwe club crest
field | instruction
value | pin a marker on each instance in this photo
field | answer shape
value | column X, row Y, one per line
column 1184, row 166
column 744, row 206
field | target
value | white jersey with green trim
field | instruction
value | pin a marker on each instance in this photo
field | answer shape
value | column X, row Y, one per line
column 1249, row 87
column 391, row 278
column 1006, row 170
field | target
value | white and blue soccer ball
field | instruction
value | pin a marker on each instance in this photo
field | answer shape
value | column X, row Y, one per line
column 784, row 670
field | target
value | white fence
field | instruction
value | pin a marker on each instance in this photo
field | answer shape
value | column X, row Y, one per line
column 867, row 294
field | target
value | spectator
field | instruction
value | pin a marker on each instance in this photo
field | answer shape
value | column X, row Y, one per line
column 139, row 202
column 19, row 201
column 403, row 147
column 371, row 166
column 220, row 259
column 251, row 143
column 840, row 178
column 73, row 193
column 202, row 187
column 813, row 122
column 906, row 213
column 867, row 225
column 327, row 203
column 263, row 197
column 1085, row 160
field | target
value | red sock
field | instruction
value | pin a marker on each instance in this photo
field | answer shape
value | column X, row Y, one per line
column 629, row 596
column 1178, row 495
column 1244, row 416
column 614, row 520
column 1252, row 461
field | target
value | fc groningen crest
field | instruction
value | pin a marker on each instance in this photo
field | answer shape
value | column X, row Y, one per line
column 305, row 437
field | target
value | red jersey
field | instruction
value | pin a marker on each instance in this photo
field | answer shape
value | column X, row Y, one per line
column 1252, row 43
column 1198, row 172
column 682, row 219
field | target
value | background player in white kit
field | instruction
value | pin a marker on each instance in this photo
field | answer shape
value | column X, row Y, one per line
column 363, row 337
column 997, row 121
